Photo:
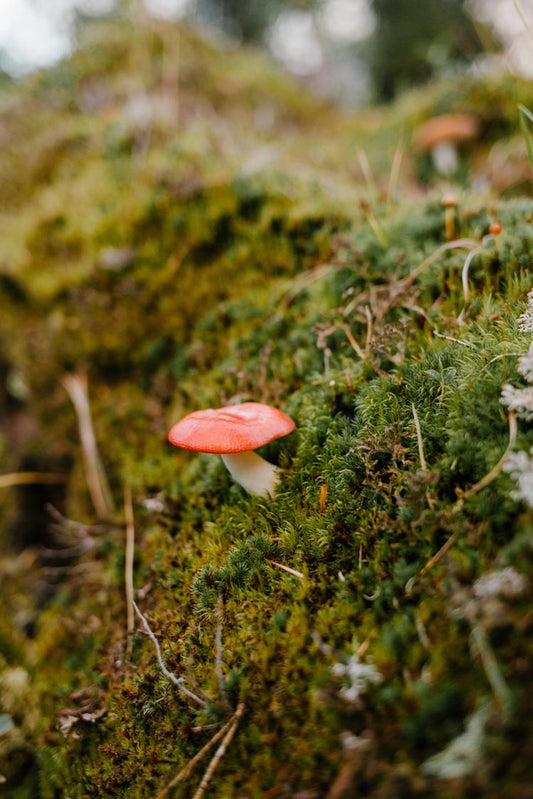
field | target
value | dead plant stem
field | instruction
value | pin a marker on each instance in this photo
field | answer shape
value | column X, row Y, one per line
column 128, row 568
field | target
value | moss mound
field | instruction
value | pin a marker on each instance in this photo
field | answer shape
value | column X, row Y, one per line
column 185, row 228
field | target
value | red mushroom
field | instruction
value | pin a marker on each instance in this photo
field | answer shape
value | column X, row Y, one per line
column 234, row 432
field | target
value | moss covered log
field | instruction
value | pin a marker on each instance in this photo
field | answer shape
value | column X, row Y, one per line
column 183, row 227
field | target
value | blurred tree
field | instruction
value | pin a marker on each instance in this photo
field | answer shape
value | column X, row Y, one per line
column 413, row 41
column 247, row 21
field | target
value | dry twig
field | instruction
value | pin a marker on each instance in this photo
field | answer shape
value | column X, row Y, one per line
column 177, row 681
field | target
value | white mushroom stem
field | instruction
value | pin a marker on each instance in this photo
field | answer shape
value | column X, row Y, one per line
column 445, row 157
column 252, row 472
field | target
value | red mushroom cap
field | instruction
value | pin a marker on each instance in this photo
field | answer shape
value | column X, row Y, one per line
column 234, row 428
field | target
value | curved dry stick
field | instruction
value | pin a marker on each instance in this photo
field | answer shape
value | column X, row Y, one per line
column 177, row 681
column 458, row 244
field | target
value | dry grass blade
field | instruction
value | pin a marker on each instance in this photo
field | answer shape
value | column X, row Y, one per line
column 438, row 555
column 287, row 569
column 481, row 484
column 184, row 773
column 395, row 172
column 494, row 472
column 458, row 244
column 367, row 172
column 31, row 478
column 218, row 654
column 421, row 455
column 77, row 389
column 219, row 754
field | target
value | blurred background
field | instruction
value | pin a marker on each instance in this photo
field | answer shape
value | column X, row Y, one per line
column 353, row 52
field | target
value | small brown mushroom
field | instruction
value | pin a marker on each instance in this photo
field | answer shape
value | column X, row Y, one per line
column 449, row 203
column 440, row 136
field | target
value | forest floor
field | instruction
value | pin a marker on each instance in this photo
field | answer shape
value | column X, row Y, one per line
column 183, row 226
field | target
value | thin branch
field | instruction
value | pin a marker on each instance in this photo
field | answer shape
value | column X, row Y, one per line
column 221, row 751
column 128, row 567
column 177, row 681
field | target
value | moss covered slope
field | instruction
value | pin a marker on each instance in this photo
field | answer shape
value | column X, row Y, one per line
column 187, row 228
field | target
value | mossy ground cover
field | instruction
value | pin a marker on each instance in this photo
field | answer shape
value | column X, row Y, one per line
column 228, row 248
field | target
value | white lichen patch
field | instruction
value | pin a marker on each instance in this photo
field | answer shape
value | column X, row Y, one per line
column 358, row 677
column 525, row 320
column 520, row 466
column 519, row 400
column 504, row 582
column 463, row 755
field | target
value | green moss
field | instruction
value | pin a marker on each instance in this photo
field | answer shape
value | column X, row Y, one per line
column 201, row 259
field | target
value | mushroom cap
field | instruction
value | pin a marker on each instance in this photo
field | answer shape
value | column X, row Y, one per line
column 234, row 428
column 449, row 200
column 447, row 127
